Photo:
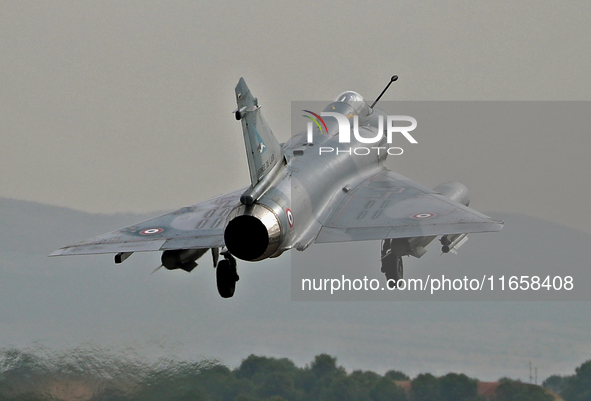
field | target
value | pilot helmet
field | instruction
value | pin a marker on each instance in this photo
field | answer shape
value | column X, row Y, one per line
column 356, row 101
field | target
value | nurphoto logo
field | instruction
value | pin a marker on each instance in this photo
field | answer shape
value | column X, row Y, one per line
column 372, row 135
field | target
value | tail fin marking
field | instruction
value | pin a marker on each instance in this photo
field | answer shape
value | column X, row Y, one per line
column 262, row 149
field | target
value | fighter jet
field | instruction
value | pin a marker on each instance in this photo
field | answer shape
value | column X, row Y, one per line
column 310, row 190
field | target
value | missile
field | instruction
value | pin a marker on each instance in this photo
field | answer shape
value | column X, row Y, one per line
column 452, row 242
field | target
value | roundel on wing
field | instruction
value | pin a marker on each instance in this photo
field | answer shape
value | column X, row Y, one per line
column 151, row 231
column 289, row 215
column 423, row 215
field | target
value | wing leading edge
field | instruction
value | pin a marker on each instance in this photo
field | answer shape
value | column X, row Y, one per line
column 388, row 205
column 194, row 227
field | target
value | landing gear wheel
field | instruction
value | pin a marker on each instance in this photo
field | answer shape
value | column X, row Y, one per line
column 226, row 277
column 393, row 269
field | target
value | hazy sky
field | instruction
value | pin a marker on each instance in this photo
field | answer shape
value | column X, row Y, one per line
column 126, row 106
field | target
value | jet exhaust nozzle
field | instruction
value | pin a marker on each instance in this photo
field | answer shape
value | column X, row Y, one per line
column 253, row 232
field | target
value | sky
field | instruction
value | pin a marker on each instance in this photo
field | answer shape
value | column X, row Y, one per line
column 127, row 107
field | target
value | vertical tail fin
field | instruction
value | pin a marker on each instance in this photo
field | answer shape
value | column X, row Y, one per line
column 262, row 149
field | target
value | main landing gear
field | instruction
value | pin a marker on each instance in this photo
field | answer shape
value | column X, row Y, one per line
column 391, row 264
column 226, row 275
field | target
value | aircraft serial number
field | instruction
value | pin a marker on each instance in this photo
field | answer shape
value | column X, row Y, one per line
column 266, row 165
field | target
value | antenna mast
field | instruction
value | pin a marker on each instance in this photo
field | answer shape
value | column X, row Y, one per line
column 394, row 78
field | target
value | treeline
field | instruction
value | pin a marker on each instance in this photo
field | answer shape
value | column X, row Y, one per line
column 576, row 387
column 96, row 375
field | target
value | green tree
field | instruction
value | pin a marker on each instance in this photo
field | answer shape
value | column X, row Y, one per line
column 555, row 383
column 319, row 376
column 338, row 389
column 396, row 375
column 257, row 368
column 386, row 390
column 458, row 387
column 366, row 379
column 578, row 387
column 425, row 387
column 325, row 365
column 278, row 384
column 509, row 390
column 247, row 398
column 221, row 384
column 363, row 382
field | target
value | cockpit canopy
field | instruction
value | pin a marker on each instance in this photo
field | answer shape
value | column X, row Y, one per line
column 356, row 101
